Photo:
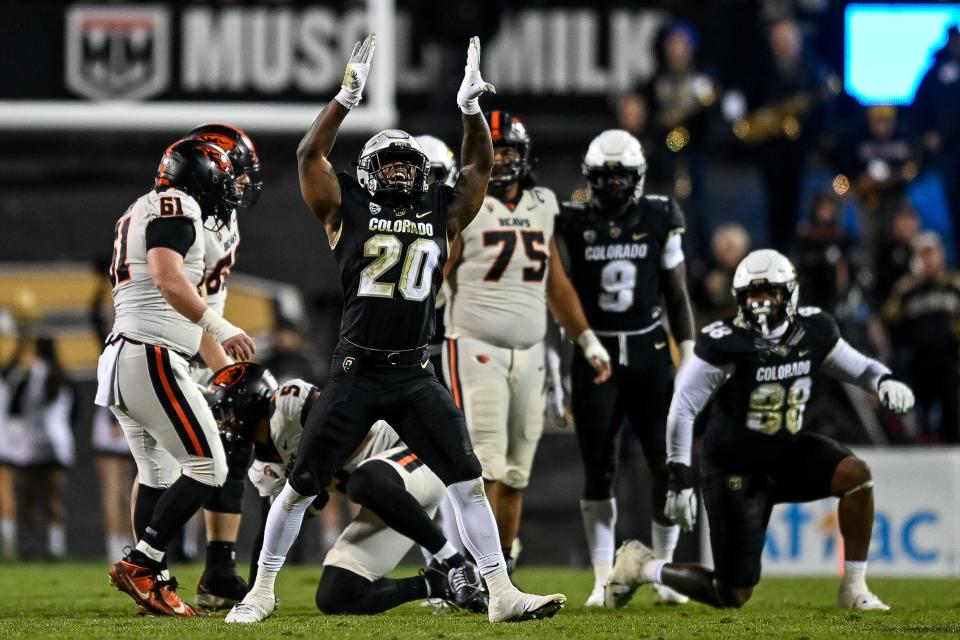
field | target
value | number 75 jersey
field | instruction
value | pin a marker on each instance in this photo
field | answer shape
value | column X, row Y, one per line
column 498, row 287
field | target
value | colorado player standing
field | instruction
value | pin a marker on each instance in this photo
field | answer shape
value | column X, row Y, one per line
column 389, row 235
column 143, row 373
column 757, row 368
column 625, row 258
column 504, row 271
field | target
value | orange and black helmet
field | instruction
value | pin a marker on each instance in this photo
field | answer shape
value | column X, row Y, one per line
column 507, row 130
column 240, row 398
column 243, row 155
column 202, row 171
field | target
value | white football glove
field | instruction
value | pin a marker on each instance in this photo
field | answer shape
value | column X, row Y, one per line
column 895, row 396
column 473, row 86
column 556, row 412
column 596, row 354
column 355, row 75
column 681, row 506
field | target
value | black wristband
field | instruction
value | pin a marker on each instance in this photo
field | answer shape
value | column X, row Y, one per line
column 679, row 477
column 884, row 378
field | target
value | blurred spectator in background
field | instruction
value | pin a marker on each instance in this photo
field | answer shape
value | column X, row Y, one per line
column 710, row 290
column 784, row 123
column 826, row 255
column 41, row 438
column 895, row 249
column 923, row 314
column 885, row 163
column 114, row 463
column 937, row 112
column 289, row 356
column 8, row 498
column 678, row 98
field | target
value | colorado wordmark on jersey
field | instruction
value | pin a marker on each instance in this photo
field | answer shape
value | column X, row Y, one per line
column 141, row 311
column 758, row 387
column 220, row 255
column 498, row 289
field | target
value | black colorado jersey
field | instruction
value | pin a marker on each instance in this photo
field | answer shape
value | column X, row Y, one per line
column 391, row 267
column 759, row 409
column 615, row 266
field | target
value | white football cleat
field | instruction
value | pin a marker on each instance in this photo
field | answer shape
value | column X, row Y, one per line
column 669, row 596
column 627, row 573
column 860, row 599
column 596, row 597
column 517, row 606
column 256, row 607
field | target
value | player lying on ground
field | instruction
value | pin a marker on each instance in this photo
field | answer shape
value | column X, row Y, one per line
column 143, row 373
column 398, row 494
column 627, row 264
column 389, row 235
column 755, row 455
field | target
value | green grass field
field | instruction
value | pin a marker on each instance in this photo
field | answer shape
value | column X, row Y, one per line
column 75, row 601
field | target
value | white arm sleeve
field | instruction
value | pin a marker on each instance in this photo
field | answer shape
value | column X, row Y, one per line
column 849, row 365
column 672, row 252
column 696, row 383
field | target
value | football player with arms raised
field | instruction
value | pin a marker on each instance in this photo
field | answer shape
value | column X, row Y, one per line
column 756, row 372
column 389, row 233
column 626, row 262
column 504, row 272
column 143, row 372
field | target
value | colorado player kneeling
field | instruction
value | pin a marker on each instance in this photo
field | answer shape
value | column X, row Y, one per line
column 755, row 453
column 398, row 494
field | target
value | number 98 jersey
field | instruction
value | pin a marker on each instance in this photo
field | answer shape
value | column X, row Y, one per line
column 615, row 265
column 391, row 266
column 759, row 409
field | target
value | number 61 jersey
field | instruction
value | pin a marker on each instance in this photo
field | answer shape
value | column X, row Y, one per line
column 391, row 266
column 141, row 311
column 615, row 265
column 759, row 409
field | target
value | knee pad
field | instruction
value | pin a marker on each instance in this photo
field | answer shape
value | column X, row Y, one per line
column 228, row 498
column 366, row 480
column 337, row 588
column 209, row 471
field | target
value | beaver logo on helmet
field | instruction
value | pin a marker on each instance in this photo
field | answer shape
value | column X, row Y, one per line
column 203, row 171
column 242, row 154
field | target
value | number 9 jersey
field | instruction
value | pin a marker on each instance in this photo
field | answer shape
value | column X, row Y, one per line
column 615, row 264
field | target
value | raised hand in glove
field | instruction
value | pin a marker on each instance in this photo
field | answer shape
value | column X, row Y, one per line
column 355, row 75
column 473, row 85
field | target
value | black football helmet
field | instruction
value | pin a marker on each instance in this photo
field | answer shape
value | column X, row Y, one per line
column 239, row 399
column 243, row 155
column 507, row 130
column 203, row 171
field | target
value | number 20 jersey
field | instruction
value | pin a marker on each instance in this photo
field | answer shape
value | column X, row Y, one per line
column 141, row 311
column 615, row 266
column 391, row 267
column 498, row 290
column 759, row 410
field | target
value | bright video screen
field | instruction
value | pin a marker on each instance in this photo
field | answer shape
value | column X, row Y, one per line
column 888, row 48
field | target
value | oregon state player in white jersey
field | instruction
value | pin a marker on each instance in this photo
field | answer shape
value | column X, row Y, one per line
column 397, row 492
column 143, row 373
column 503, row 273
column 220, row 586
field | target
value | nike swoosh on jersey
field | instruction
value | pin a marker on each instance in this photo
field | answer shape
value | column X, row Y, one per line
column 423, row 365
column 426, row 213
column 803, row 353
column 639, row 236
column 659, row 345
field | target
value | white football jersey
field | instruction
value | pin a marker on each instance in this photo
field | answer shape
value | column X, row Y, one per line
column 499, row 286
column 141, row 312
column 286, row 429
column 220, row 254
